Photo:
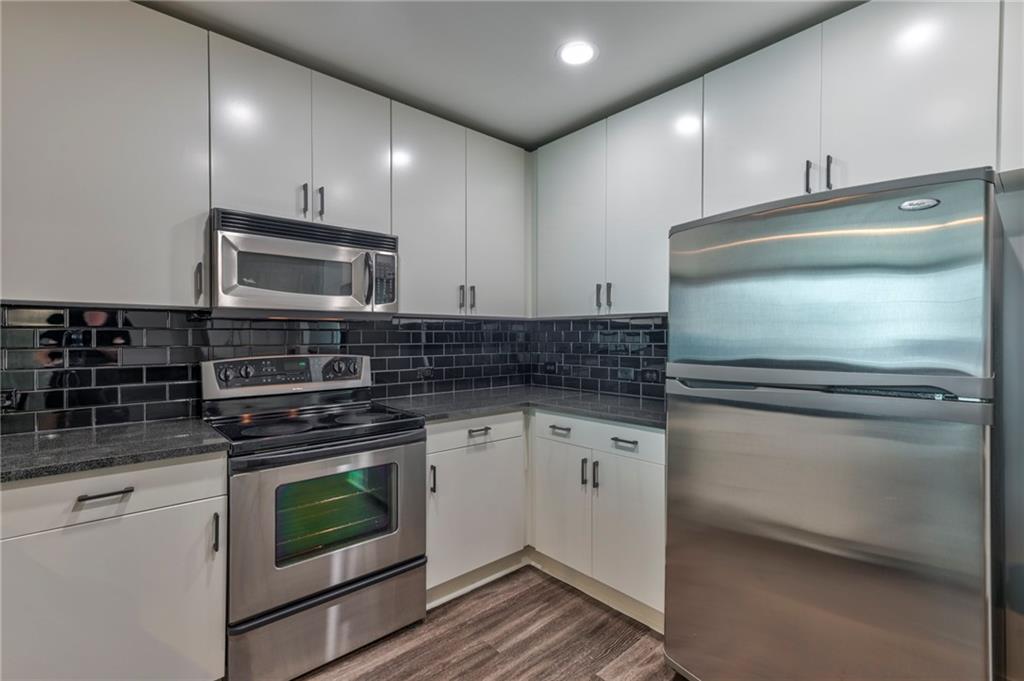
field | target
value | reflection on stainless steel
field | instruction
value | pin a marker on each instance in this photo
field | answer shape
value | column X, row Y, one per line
column 830, row 384
column 257, row 584
column 856, row 285
column 855, row 543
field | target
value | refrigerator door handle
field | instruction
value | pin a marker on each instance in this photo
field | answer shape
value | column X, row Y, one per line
column 961, row 386
column 823, row 401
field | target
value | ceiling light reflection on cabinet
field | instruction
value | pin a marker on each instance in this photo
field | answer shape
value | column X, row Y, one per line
column 687, row 125
column 400, row 158
column 241, row 114
column 916, row 37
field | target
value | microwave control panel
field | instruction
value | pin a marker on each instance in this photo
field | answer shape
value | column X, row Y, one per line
column 384, row 278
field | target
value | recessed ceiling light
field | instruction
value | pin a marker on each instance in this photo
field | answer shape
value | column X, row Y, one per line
column 577, row 52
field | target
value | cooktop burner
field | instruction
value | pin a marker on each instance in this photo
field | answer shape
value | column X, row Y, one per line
column 271, row 429
column 250, row 431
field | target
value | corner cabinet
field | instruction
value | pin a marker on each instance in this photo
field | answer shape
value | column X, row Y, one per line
column 909, row 88
column 476, row 494
column 571, row 223
column 599, row 502
column 654, row 183
column 105, row 593
column 105, row 152
column 289, row 142
column 607, row 196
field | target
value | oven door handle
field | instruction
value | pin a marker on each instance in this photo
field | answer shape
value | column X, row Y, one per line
column 303, row 454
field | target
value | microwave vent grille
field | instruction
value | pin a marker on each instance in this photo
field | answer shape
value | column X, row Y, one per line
column 251, row 223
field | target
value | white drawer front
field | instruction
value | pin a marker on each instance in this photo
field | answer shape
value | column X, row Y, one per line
column 52, row 502
column 637, row 443
column 647, row 444
column 563, row 429
column 455, row 434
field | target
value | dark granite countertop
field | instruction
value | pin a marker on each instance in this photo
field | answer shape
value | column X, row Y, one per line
column 485, row 402
column 36, row 455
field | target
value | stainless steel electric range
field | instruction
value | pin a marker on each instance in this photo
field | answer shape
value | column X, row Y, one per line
column 326, row 506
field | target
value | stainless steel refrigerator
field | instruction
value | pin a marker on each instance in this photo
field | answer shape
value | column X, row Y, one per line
column 830, row 395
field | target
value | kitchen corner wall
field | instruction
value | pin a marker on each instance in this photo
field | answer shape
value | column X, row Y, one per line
column 76, row 367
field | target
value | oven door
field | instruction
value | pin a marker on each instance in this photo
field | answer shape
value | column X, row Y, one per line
column 264, row 272
column 306, row 520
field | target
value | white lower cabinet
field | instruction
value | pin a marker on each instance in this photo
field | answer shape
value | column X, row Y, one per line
column 476, row 502
column 598, row 512
column 628, row 523
column 561, row 502
column 138, row 596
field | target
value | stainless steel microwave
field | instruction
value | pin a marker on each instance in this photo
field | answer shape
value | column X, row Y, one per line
column 277, row 267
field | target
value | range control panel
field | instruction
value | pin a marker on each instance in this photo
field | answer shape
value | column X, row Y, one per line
column 283, row 374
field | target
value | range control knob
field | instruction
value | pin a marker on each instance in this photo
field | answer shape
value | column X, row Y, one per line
column 246, row 371
column 353, row 367
column 338, row 366
column 225, row 374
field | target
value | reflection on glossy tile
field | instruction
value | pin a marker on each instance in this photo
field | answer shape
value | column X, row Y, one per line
column 21, row 316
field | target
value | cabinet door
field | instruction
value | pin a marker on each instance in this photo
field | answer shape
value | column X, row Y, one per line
column 571, row 223
column 561, row 502
column 654, row 182
column 762, row 122
column 476, row 508
column 629, row 527
column 140, row 596
column 351, row 156
column 105, row 148
column 909, row 88
column 429, row 199
column 260, row 131
column 495, row 226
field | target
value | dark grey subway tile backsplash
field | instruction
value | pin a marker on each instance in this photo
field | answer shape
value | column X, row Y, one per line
column 76, row 367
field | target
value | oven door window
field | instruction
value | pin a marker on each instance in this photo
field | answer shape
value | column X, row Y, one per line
column 289, row 274
column 325, row 514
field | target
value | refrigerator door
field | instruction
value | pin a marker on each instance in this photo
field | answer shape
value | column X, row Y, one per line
column 825, row 537
column 888, row 279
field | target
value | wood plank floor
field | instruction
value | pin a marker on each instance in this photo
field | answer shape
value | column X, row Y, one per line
column 525, row 626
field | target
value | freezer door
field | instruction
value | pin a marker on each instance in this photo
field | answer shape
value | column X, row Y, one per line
column 816, row 537
column 854, row 283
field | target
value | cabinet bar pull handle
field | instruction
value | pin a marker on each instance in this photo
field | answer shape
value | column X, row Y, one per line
column 119, row 493
column 828, row 171
column 597, row 296
column 479, row 431
column 807, row 177
column 321, row 192
column 305, row 199
column 433, row 478
column 472, row 297
column 623, row 441
column 594, row 475
column 216, row 532
column 583, row 472
column 560, row 429
column 462, row 296
column 608, row 294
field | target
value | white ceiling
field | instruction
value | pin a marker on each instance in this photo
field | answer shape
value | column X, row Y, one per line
column 492, row 65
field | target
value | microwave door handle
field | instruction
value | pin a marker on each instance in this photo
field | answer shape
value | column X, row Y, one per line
column 368, row 274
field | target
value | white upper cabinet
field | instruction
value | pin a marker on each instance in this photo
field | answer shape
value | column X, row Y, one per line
column 260, row 131
column 571, row 223
column 654, row 182
column 429, row 204
column 495, row 226
column 105, row 153
column 762, row 124
column 909, row 88
column 351, row 156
